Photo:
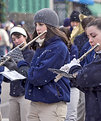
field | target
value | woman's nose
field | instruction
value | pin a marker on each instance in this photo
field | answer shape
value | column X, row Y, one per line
column 90, row 40
column 37, row 28
column 16, row 40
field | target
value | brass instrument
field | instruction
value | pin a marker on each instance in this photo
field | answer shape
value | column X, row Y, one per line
column 6, row 57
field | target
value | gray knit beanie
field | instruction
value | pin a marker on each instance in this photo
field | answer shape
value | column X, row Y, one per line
column 47, row 16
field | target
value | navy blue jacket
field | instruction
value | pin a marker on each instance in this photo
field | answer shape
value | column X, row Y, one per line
column 40, row 85
column 16, row 88
column 80, row 40
column 89, row 81
column 89, row 57
column 73, row 52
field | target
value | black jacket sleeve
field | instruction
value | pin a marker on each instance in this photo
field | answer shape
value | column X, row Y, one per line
column 89, row 76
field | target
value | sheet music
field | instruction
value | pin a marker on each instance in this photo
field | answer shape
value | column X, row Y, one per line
column 12, row 75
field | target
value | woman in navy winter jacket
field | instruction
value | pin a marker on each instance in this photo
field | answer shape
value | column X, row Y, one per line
column 74, row 98
column 88, row 78
column 48, row 98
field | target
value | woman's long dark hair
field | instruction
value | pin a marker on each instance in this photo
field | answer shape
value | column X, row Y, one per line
column 51, row 32
column 68, row 34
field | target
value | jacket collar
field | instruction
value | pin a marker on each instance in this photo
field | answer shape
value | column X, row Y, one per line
column 53, row 39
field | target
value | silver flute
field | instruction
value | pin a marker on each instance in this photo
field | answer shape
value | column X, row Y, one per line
column 85, row 54
column 6, row 57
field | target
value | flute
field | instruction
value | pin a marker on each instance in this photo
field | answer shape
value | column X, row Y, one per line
column 33, row 40
column 85, row 54
column 6, row 57
column 79, row 60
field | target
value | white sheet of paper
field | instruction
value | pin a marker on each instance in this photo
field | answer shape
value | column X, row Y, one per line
column 12, row 75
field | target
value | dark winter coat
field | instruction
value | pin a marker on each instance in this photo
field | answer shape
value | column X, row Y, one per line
column 73, row 54
column 16, row 88
column 40, row 85
column 88, row 80
column 89, row 57
column 80, row 40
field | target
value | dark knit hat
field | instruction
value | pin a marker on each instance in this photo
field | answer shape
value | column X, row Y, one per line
column 47, row 16
column 74, row 16
column 66, row 22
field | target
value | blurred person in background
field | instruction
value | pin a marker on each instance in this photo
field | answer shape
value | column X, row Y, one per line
column 7, row 26
column 67, row 24
column 4, row 42
column 74, row 94
column 22, row 23
column 76, row 25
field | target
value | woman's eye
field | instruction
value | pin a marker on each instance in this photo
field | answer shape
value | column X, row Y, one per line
column 93, row 36
column 18, row 37
column 41, row 24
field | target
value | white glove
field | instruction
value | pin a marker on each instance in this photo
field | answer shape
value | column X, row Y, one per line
column 67, row 67
column 63, row 68
column 73, row 63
